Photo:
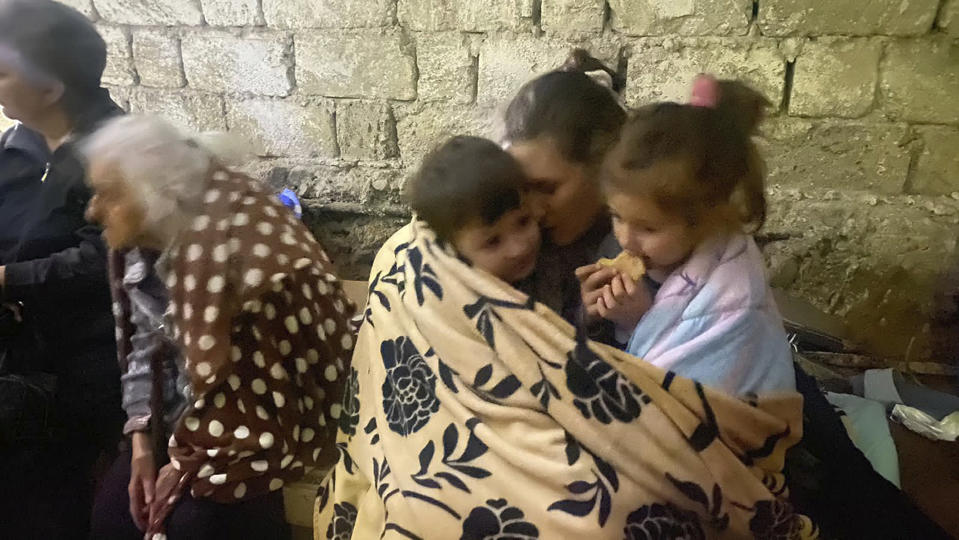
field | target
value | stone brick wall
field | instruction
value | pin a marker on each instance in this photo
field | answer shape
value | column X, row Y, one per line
column 342, row 97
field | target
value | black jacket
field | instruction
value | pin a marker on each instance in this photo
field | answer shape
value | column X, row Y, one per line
column 57, row 269
column 23, row 159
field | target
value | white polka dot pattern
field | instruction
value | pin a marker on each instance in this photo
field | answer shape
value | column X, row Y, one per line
column 264, row 326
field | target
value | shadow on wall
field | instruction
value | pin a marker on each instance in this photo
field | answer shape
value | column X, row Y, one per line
column 352, row 239
column 889, row 271
column 944, row 334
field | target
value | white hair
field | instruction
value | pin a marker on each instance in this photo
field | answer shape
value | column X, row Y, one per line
column 164, row 166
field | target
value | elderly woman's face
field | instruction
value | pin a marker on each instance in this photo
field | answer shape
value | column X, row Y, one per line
column 568, row 195
column 20, row 100
column 116, row 206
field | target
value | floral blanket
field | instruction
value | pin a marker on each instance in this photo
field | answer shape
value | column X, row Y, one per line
column 473, row 412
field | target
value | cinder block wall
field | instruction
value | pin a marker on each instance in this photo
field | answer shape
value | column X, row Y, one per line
column 342, row 97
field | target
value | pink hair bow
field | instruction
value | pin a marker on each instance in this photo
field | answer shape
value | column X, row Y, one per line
column 705, row 91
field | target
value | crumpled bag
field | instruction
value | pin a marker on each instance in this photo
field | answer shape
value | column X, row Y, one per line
column 946, row 429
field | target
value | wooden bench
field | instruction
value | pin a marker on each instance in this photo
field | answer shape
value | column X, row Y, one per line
column 299, row 496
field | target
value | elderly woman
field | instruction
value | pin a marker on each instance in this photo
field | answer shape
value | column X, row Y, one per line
column 53, row 276
column 259, row 320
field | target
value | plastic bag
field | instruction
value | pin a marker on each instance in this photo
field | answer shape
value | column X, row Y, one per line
column 946, row 429
column 290, row 200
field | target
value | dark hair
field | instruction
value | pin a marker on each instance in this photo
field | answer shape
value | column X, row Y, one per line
column 61, row 41
column 714, row 145
column 581, row 61
column 462, row 180
column 580, row 115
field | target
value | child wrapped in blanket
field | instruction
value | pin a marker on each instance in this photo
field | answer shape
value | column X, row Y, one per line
column 470, row 192
column 685, row 190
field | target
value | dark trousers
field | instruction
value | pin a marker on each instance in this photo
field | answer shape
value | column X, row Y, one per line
column 834, row 484
column 47, row 486
column 262, row 518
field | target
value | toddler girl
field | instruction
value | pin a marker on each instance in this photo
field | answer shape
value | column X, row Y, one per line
column 685, row 189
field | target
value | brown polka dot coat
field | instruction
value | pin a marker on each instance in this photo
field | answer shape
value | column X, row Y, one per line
column 264, row 326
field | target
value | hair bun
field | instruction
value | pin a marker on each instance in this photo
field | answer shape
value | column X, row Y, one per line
column 579, row 60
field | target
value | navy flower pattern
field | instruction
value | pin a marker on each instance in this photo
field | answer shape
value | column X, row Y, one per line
column 600, row 391
column 344, row 520
column 350, row 416
column 498, row 521
column 774, row 520
column 663, row 522
column 442, row 472
column 409, row 391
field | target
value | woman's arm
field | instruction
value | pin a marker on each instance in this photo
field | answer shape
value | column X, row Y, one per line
column 58, row 274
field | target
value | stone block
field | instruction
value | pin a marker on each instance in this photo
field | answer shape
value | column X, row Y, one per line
column 683, row 17
column 356, row 64
column 296, row 14
column 507, row 61
column 119, row 69
column 257, row 63
column 937, row 170
column 664, row 69
column 468, row 15
column 920, row 80
column 421, row 127
column 816, row 18
column 192, row 111
column 156, row 54
column 83, row 6
column 352, row 239
column 447, row 71
column 150, row 12
column 949, row 18
column 838, row 155
column 836, row 77
column 285, row 128
column 572, row 17
column 488, row 15
column 429, row 15
column 365, row 130
column 231, row 12
column 361, row 185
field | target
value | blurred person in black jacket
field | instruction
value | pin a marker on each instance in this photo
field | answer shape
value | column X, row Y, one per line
column 57, row 344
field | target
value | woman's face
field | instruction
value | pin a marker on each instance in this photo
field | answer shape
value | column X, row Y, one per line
column 569, row 196
column 115, row 206
column 21, row 100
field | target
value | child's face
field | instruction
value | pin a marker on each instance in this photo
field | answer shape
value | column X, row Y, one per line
column 507, row 248
column 663, row 240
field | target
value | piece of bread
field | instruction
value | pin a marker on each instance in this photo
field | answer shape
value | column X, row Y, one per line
column 628, row 264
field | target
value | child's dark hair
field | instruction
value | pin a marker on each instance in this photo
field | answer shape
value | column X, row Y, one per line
column 714, row 147
column 463, row 180
column 581, row 116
